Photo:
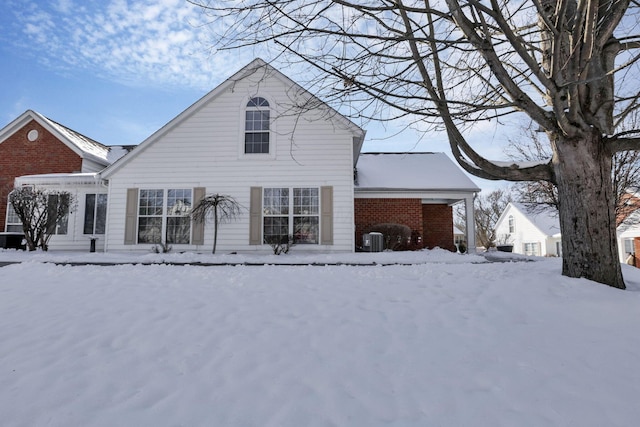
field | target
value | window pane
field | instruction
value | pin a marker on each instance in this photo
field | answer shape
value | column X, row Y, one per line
column 12, row 216
column 305, row 229
column 178, row 202
column 263, row 120
column 256, row 142
column 58, row 213
column 276, row 229
column 305, row 201
column 151, row 202
column 178, row 229
column 276, row 201
column 258, row 101
column 101, row 214
column 250, row 120
column 149, row 229
column 89, row 213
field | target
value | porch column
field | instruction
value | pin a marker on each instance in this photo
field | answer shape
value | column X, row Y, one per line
column 471, row 224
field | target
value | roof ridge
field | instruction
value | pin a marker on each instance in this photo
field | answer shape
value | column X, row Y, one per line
column 75, row 132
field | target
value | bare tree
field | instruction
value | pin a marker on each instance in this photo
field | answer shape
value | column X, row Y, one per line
column 487, row 210
column 625, row 176
column 449, row 64
column 221, row 206
column 43, row 213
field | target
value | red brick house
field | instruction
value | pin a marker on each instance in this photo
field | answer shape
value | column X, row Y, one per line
column 33, row 144
column 412, row 189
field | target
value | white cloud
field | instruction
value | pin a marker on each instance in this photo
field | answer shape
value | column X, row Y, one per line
column 63, row 6
column 150, row 43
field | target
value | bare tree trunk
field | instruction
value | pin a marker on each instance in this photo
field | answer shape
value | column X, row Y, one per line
column 215, row 229
column 582, row 168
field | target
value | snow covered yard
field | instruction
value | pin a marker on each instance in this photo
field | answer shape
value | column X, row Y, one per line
column 446, row 342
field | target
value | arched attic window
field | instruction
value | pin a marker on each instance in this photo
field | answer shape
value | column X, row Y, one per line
column 256, row 129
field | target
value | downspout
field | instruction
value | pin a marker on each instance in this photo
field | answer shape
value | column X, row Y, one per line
column 105, row 183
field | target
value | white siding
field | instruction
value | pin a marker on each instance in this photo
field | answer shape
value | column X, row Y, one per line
column 75, row 240
column 90, row 166
column 205, row 149
column 525, row 232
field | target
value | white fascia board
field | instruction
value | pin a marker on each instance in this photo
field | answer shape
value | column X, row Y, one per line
column 445, row 196
column 61, row 179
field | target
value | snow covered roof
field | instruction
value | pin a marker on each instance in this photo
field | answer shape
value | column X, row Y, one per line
column 546, row 220
column 117, row 151
column 59, row 179
column 83, row 143
column 411, row 171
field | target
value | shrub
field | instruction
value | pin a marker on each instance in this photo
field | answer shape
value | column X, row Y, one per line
column 396, row 236
column 280, row 244
column 161, row 248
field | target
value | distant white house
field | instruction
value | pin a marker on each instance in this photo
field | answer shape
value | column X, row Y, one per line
column 628, row 234
column 535, row 232
column 530, row 231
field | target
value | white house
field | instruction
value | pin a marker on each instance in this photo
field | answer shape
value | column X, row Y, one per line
column 530, row 231
column 287, row 158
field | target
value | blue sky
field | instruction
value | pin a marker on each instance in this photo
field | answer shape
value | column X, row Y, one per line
column 118, row 70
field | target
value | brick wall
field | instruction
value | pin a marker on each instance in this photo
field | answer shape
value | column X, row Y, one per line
column 19, row 156
column 369, row 212
column 438, row 226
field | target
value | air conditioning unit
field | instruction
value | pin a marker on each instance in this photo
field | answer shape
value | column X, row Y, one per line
column 373, row 242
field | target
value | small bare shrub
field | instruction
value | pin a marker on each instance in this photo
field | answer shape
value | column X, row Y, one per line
column 280, row 244
column 161, row 248
column 396, row 236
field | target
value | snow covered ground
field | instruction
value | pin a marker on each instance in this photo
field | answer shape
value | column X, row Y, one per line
column 450, row 341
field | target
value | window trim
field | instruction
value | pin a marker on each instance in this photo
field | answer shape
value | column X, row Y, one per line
column 164, row 216
column 291, row 214
column 511, row 221
column 96, row 213
column 16, row 225
column 61, row 227
column 242, row 129
column 535, row 248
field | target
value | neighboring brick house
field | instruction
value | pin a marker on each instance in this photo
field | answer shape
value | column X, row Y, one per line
column 33, row 144
column 412, row 189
